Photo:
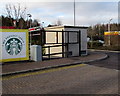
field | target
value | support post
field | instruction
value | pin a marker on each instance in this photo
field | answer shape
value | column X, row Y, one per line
column 79, row 37
column 57, row 37
column 49, row 52
column 62, row 44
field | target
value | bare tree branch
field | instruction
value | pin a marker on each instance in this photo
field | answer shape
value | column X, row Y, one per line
column 8, row 11
column 15, row 11
column 23, row 13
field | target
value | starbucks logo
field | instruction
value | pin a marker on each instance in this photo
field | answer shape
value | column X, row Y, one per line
column 13, row 46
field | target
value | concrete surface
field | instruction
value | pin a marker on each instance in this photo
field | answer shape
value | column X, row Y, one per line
column 22, row 67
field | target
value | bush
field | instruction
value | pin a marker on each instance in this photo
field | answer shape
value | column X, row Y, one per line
column 100, row 46
column 113, row 48
column 94, row 44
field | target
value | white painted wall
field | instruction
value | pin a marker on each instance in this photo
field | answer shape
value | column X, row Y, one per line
column 73, row 37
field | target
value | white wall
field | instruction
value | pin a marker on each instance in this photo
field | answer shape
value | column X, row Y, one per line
column 73, row 37
column 83, row 39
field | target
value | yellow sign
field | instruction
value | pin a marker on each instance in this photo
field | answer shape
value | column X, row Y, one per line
column 112, row 33
column 14, row 45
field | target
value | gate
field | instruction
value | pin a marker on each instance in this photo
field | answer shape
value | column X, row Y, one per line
column 60, row 40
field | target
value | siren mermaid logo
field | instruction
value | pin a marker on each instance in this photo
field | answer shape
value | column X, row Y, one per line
column 13, row 46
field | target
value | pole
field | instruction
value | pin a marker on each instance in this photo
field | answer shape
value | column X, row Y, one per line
column 29, row 15
column 74, row 12
column 99, row 30
column 27, row 21
column 91, row 42
column 30, row 33
column 109, row 41
column 30, row 22
column 79, row 37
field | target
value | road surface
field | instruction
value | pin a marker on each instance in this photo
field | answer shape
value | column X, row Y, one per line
column 112, row 62
column 78, row 79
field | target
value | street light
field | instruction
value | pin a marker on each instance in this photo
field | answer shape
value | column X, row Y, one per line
column 109, row 25
column 109, row 30
column 42, row 24
column 29, row 15
column 74, row 13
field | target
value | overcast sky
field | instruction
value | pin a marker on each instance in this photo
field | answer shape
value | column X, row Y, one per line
column 87, row 13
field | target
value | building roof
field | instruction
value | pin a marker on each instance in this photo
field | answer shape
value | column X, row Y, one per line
column 55, row 27
column 83, row 27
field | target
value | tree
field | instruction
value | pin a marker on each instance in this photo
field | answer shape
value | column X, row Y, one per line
column 35, row 23
column 114, row 27
column 59, row 22
column 97, row 31
column 16, row 12
column 21, row 24
column 6, row 21
column 1, row 18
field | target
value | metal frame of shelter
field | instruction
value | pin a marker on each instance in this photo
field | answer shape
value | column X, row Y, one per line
column 65, row 45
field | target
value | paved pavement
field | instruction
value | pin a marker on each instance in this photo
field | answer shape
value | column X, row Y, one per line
column 76, row 79
column 26, row 66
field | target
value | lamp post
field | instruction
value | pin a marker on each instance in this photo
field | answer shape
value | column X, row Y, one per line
column 29, row 15
column 43, row 25
column 74, row 13
column 109, row 43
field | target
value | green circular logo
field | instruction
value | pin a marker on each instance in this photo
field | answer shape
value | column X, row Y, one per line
column 13, row 46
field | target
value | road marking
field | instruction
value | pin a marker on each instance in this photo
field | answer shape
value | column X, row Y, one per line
column 40, row 72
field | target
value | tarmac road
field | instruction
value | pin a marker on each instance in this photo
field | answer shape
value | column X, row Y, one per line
column 77, row 79
column 113, row 62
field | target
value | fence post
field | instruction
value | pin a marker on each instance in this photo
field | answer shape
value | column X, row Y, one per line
column 79, row 37
column 49, row 52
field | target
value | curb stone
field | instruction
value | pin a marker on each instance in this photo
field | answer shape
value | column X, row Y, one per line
column 50, row 67
column 103, row 50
